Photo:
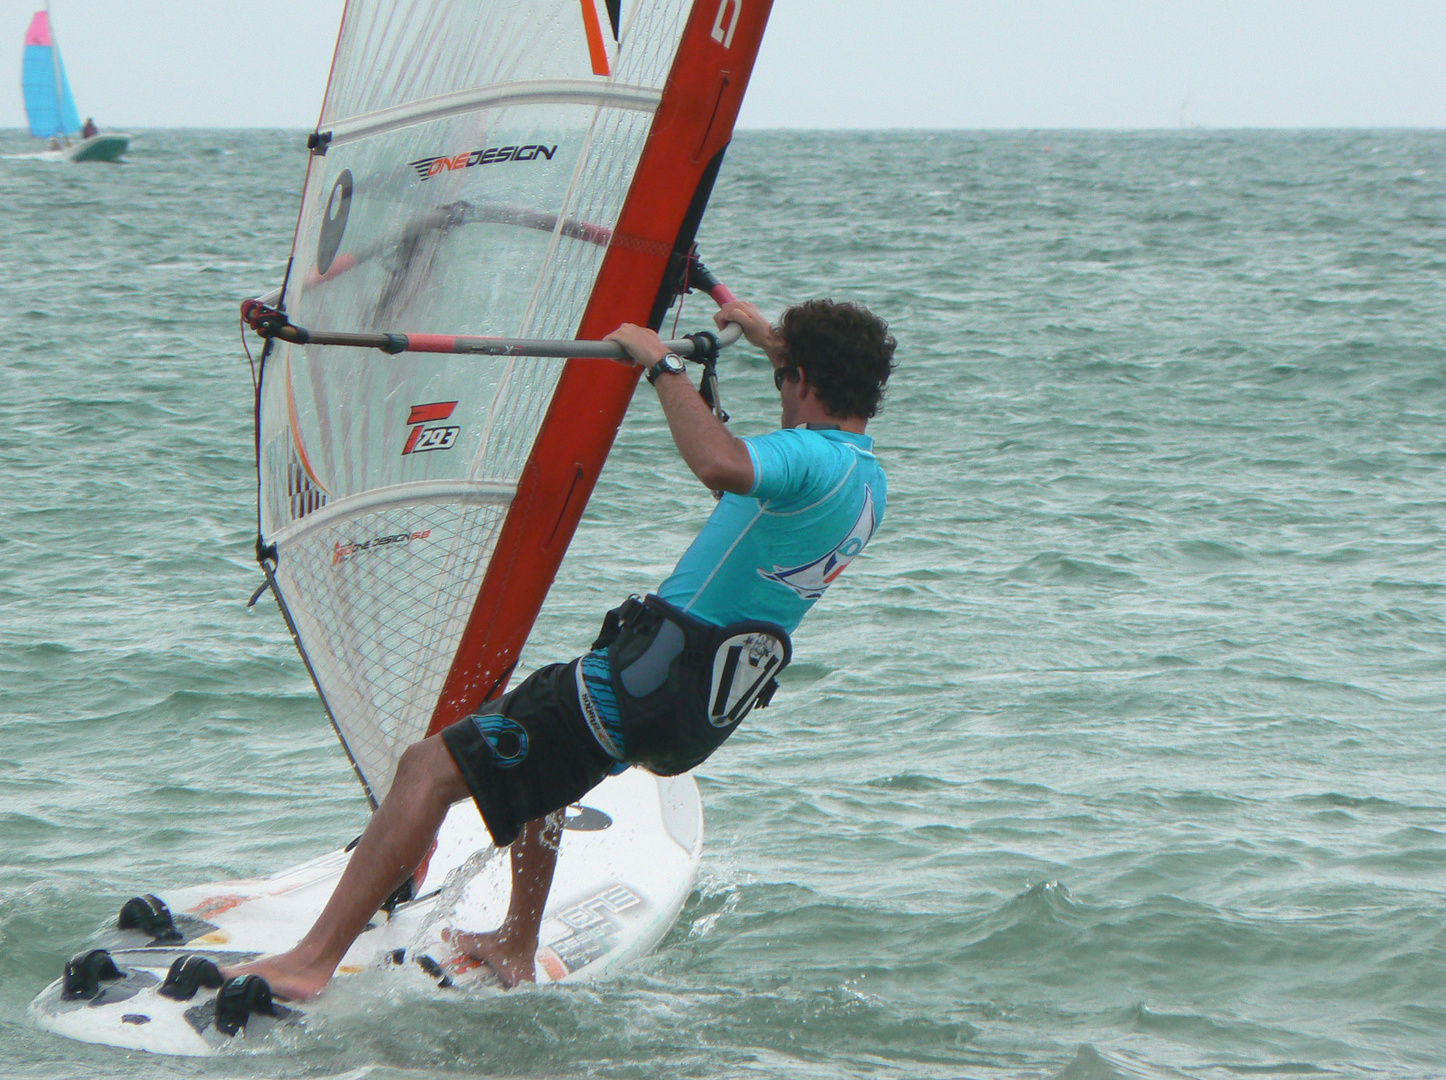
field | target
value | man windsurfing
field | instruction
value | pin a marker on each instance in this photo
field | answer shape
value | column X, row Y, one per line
column 669, row 677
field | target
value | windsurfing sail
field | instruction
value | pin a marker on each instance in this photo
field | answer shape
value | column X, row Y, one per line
column 49, row 105
column 531, row 170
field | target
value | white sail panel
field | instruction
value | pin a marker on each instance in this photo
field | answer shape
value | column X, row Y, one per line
column 477, row 168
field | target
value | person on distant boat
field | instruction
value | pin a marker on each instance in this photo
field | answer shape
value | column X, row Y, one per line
column 670, row 677
column 90, row 130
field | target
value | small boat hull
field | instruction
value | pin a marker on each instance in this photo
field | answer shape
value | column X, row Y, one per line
column 107, row 147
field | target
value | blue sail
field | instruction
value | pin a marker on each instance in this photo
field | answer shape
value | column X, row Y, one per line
column 48, row 101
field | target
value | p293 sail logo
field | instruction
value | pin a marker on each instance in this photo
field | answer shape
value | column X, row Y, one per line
column 424, row 438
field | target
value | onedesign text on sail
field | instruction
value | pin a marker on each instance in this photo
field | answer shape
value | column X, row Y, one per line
column 428, row 167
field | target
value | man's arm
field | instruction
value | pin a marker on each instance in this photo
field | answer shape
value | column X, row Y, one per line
column 757, row 329
column 715, row 455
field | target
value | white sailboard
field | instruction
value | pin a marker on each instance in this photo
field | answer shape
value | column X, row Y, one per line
column 630, row 856
column 526, row 171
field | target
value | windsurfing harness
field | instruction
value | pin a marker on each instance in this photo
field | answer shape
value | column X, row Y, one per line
column 681, row 685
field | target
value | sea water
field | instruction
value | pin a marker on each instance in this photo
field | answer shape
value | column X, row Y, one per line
column 1118, row 754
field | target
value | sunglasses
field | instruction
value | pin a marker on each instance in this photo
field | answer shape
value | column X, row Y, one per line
column 779, row 374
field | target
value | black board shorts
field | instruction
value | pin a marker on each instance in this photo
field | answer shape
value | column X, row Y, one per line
column 528, row 753
column 682, row 686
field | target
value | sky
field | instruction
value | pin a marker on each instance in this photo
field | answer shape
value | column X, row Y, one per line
column 139, row 64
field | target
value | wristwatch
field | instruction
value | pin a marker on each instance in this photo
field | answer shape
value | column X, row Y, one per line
column 670, row 364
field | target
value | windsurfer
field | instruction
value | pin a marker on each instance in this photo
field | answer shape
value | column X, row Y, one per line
column 669, row 677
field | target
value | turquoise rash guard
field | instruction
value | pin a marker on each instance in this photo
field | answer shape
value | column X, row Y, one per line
column 817, row 498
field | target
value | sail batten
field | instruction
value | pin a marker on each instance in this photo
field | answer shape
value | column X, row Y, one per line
column 414, row 514
column 535, row 92
column 421, row 493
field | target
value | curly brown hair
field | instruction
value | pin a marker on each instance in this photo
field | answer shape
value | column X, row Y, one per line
column 845, row 350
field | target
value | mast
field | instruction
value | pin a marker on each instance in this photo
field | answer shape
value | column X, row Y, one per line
column 55, row 67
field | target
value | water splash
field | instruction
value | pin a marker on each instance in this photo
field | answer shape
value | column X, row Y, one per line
column 451, row 893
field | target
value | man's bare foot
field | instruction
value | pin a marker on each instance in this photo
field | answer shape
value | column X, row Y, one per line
column 514, row 959
column 288, row 975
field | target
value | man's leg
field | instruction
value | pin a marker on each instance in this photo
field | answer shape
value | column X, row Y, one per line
column 395, row 841
column 511, row 949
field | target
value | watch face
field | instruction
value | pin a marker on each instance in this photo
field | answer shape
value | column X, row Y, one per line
column 668, row 365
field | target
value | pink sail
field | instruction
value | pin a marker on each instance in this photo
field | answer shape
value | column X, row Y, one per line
column 39, row 32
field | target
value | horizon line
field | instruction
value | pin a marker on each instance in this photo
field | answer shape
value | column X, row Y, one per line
column 1017, row 129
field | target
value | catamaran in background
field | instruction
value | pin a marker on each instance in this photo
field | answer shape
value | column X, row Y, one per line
column 50, row 107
